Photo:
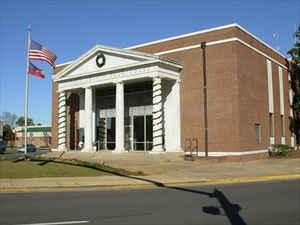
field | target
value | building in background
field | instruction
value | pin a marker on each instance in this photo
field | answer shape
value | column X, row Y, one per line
column 150, row 97
column 37, row 135
column 1, row 130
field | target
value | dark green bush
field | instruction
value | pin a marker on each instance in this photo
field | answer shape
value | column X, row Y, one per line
column 280, row 150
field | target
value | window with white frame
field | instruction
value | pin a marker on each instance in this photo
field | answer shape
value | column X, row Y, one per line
column 257, row 134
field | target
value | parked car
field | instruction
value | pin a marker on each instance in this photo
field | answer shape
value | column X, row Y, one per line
column 30, row 148
column 2, row 147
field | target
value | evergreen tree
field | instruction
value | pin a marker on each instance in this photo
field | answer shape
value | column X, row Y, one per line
column 294, row 70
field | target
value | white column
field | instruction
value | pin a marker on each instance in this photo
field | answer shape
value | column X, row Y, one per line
column 94, row 116
column 178, row 118
column 119, row 118
column 81, row 119
column 62, row 117
column 157, row 115
column 270, row 87
column 88, row 128
column 281, row 91
column 270, row 96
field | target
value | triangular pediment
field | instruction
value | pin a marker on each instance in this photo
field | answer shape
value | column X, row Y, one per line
column 102, row 59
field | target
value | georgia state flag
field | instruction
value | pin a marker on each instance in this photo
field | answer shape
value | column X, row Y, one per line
column 35, row 71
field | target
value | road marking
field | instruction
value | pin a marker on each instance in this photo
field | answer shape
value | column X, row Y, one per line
column 58, row 223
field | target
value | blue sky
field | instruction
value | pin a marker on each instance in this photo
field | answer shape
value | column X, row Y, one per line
column 70, row 28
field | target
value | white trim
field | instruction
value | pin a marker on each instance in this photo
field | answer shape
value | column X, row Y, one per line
column 178, row 49
column 259, row 40
column 196, row 46
column 270, row 86
column 183, row 36
column 221, row 42
column 206, row 31
column 230, row 153
column 118, row 68
column 281, row 91
column 111, row 50
column 106, row 71
column 260, row 52
column 65, row 63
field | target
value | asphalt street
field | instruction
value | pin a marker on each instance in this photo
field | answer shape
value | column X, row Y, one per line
column 244, row 203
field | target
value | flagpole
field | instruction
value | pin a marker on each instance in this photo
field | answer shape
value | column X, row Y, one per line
column 26, row 91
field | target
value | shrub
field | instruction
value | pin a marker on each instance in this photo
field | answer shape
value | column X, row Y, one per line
column 280, row 150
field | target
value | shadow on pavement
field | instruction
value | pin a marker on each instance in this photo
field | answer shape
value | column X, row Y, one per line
column 231, row 210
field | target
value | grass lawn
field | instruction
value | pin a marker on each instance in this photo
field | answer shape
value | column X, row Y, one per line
column 12, row 168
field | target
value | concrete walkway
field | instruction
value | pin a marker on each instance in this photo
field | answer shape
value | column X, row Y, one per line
column 162, row 169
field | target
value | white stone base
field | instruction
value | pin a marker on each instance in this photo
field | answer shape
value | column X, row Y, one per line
column 157, row 152
column 215, row 154
column 293, row 142
column 175, row 150
column 58, row 150
column 119, row 151
column 272, row 140
column 88, row 150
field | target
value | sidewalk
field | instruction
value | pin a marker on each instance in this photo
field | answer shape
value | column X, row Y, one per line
column 160, row 170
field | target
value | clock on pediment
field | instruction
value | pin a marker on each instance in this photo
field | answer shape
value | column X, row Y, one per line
column 100, row 60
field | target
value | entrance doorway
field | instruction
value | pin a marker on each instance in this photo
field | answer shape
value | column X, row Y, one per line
column 137, row 130
column 142, row 133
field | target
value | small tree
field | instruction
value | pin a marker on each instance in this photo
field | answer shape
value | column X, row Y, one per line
column 8, row 134
column 294, row 69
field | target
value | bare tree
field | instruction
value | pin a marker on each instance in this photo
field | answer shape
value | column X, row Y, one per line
column 8, row 118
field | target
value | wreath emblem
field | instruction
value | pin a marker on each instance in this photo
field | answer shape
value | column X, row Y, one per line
column 100, row 60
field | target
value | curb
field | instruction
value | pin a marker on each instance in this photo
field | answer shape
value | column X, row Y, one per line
column 146, row 185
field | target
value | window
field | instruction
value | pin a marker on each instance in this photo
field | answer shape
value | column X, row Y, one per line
column 257, row 134
column 271, row 120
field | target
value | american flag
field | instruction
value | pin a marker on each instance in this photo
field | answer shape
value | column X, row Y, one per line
column 38, row 52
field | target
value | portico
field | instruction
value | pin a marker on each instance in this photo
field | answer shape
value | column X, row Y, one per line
column 128, row 101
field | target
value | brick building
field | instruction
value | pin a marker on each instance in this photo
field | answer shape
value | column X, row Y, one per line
column 37, row 135
column 150, row 97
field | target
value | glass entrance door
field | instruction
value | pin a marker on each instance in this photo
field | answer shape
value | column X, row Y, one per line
column 142, row 133
column 111, row 133
column 139, row 133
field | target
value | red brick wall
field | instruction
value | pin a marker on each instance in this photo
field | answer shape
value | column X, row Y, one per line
column 222, row 83
column 258, row 45
column 253, row 97
column 237, row 90
column 37, row 141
